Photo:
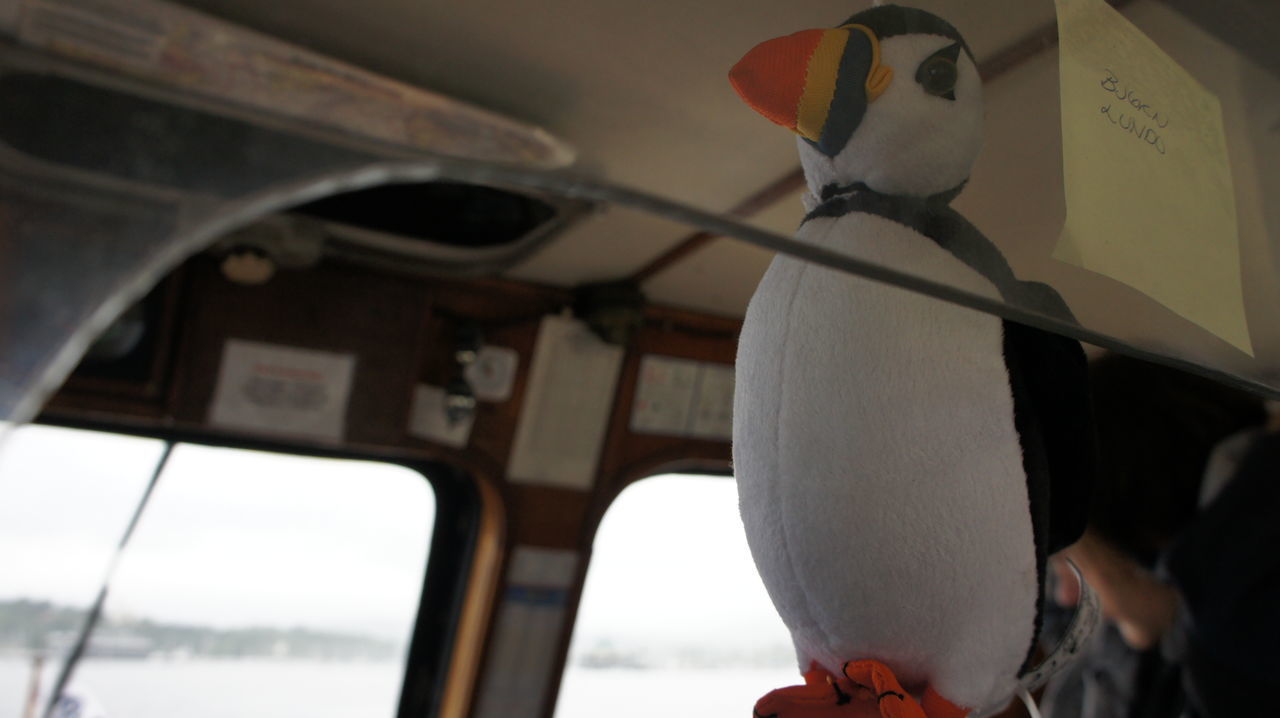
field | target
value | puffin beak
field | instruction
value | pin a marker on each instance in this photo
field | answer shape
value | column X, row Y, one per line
column 793, row 80
column 771, row 79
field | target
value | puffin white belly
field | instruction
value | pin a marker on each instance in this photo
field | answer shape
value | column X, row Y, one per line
column 879, row 470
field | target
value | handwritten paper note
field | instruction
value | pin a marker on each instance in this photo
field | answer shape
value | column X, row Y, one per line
column 1148, row 185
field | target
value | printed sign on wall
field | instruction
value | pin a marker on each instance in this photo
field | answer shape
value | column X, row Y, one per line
column 683, row 397
column 283, row 390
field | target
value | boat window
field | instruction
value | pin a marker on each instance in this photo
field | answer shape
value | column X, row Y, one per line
column 673, row 613
column 255, row 584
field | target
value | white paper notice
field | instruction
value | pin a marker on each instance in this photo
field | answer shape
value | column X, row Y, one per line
column 283, row 390
column 566, row 408
column 664, row 395
column 713, row 404
column 527, row 633
column 533, row 566
column 429, row 421
column 683, row 397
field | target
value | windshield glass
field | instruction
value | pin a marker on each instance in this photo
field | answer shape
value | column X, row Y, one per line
column 256, row 583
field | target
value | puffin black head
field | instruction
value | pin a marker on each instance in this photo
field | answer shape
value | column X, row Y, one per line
column 889, row 95
column 938, row 73
column 888, row 21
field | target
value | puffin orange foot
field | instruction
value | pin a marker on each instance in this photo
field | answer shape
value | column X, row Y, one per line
column 868, row 689
column 823, row 695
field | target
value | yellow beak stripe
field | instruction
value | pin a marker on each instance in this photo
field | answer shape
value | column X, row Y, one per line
column 823, row 73
column 880, row 76
column 820, row 84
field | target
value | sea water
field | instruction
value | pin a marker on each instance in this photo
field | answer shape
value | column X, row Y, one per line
column 259, row 688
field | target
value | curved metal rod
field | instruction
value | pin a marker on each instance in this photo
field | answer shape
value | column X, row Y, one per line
column 577, row 187
column 209, row 221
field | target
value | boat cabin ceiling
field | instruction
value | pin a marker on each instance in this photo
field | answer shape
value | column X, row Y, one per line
column 639, row 90
column 249, row 117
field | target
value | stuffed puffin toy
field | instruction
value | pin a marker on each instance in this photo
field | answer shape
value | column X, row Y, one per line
column 905, row 466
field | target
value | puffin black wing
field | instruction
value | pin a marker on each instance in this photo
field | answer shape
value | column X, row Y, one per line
column 1054, row 417
column 1049, row 379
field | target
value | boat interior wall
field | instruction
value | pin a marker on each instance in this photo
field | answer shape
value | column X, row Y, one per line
column 403, row 334
column 1248, row 27
column 9, row 13
column 1027, row 229
column 402, row 331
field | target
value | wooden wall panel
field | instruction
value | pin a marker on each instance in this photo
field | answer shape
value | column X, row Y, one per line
column 327, row 308
column 137, row 394
column 629, row 456
column 403, row 331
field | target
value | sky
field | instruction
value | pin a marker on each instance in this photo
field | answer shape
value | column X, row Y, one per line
column 231, row 538
column 671, row 566
column 236, row 538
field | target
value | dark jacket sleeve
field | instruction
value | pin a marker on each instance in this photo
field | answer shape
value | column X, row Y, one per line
column 1227, row 569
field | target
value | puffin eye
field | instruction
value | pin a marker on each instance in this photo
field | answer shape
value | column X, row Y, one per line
column 938, row 77
column 938, row 73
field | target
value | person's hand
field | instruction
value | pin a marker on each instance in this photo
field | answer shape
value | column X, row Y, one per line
column 1142, row 606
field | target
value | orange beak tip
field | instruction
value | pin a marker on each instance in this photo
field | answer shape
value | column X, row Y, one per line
column 770, row 78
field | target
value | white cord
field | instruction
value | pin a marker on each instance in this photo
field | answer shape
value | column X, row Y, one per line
column 1029, row 702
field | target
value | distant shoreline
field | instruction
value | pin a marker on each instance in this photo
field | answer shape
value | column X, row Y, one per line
column 29, row 627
